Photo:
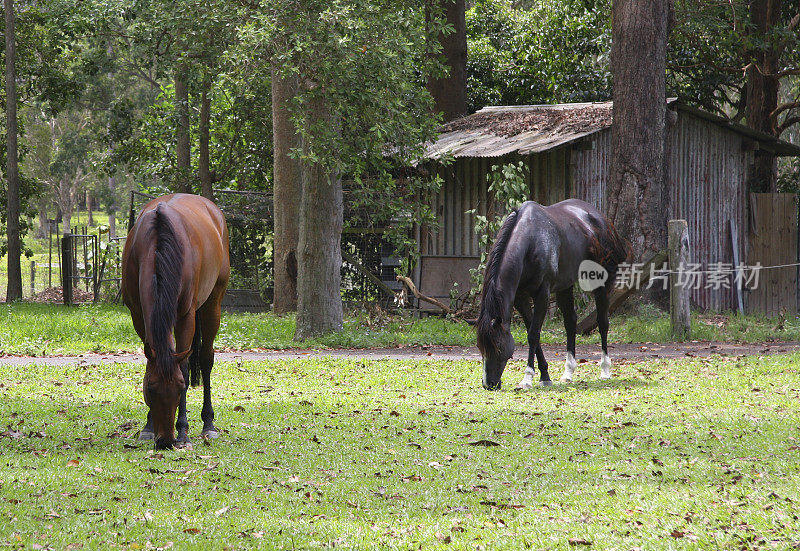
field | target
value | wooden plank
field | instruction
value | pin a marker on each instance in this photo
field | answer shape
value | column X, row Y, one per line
column 678, row 246
column 735, row 253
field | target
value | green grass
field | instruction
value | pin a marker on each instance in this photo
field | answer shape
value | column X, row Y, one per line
column 40, row 329
column 699, row 454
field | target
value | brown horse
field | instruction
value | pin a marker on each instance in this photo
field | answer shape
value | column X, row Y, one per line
column 175, row 269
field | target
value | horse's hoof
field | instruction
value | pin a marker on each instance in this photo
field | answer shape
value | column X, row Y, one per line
column 546, row 383
column 187, row 445
column 210, row 434
column 146, row 435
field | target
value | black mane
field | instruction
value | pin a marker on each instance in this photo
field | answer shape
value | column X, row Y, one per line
column 491, row 302
column 166, row 284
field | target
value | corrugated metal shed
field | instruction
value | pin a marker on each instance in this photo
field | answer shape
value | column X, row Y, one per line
column 567, row 153
column 525, row 129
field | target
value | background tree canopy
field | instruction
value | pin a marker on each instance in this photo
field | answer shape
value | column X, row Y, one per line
column 113, row 65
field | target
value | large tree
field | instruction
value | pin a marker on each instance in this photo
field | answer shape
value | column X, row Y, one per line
column 449, row 91
column 741, row 59
column 763, row 84
column 360, row 66
column 637, row 191
column 14, row 290
column 286, row 190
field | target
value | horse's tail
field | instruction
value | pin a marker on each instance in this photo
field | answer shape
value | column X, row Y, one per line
column 618, row 249
column 166, row 285
column 491, row 302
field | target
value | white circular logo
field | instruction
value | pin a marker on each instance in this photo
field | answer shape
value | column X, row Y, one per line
column 591, row 275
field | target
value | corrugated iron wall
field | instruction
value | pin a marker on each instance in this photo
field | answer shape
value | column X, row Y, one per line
column 591, row 168
column 463, row 188
column 550, row 176
column 707, row 175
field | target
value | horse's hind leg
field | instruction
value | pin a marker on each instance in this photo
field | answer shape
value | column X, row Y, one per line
column 566, row 304
column 601, row 301
column 184, row 336
column 209, row 324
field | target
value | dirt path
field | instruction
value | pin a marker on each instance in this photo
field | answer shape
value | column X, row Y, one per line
column 635, row 352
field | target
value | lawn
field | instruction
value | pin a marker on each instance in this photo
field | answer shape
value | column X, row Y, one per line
column 690, row 454
column 43, row 329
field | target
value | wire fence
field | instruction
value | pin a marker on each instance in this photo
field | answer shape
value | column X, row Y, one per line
column 368, row 267
column 96, row 259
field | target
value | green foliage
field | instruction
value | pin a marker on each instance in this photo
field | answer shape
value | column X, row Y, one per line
column 509, row 189
column 366, row 454
column 365, row 62
column 552, row 52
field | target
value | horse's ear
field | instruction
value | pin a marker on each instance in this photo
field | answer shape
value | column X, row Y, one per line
column 180, row 356
column 148, row 352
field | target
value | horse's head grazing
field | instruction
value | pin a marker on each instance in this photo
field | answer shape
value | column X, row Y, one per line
column 497, row 346
column 164, row 384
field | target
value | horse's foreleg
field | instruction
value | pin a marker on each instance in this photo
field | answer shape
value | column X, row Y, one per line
column 523, row 306
column 601, row 300
column 147, row 432
column 533, row 322
column 209, row 325
column 566, row 304
column 138, row 325
column 522, row 303
column 541, row 301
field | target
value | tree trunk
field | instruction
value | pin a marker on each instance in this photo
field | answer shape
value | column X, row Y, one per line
column 182, row 144
column 319, row 262
column 204, row 161
column 65, row 200
column 637, row 195
column 44, row 223
column 89, row 209
column 14, row 290
column 112, row 207
column 286, row 192
column 762, row 93
column 450, row 93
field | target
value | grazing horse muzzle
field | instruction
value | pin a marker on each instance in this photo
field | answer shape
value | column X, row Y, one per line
column 492, row 374
column 163, row 400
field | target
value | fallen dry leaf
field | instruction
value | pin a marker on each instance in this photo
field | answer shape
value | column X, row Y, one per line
column 579, row 541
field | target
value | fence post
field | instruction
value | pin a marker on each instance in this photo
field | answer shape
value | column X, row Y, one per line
column 33, row 277
column 66, row 268
column 678, row 245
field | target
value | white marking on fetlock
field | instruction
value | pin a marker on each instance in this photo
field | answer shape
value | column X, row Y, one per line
column 527, row 381
column 569, row 368
column 605, row 367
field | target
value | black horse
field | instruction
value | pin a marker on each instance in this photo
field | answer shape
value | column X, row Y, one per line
column 538, row 251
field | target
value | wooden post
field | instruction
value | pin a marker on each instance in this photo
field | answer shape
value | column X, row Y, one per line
column 678, row 245
column 66, row 268
column 33, row 277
